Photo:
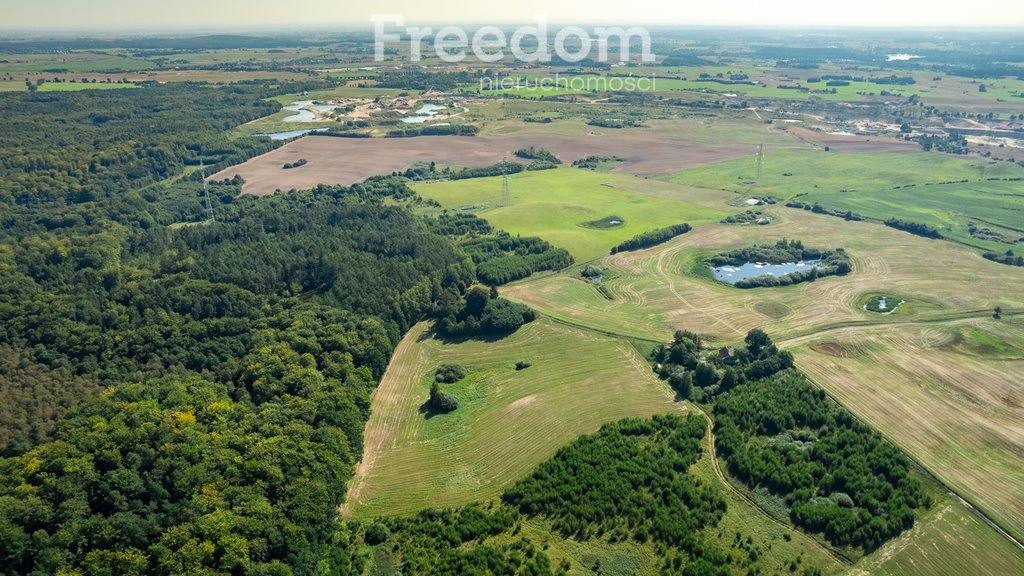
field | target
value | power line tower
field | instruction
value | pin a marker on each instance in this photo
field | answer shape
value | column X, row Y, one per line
column 206, row 194
column 760, row 160
column 505, row 198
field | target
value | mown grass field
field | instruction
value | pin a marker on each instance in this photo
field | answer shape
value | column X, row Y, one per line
column 661, row 289
column 998, row 205
column 953, row 400
column 508, row 421
column 554, row 204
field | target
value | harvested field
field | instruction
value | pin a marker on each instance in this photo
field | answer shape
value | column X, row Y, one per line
column 948, row 540
column 960, row 414
column 661, row 289
column 350, row 160
column 847, row 143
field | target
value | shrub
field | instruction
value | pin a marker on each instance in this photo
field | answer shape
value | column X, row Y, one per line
column 377, row 533
column 449, row 373
column 442, row 401
column 540, row 154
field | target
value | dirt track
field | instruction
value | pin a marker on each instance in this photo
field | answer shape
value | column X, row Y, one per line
column 349, row 160
column 847, row 143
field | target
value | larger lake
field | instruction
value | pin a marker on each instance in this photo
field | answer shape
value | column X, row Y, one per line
column 733, row 274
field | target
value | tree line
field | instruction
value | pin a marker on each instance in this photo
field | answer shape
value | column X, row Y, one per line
column 914, row 228
column 651, row 238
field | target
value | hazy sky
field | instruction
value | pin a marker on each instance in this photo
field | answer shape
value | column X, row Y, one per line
column 213, row 14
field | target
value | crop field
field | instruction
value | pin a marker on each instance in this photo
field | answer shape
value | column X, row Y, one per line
column 556, row 205
column 948, row 540
column 77, row 61
column 242, row 55
column 217, row 76
column 765, row 82
column 348, row 160
column 508, row 421
column 756, row 87
column 951, row 394
column 849, row 143
column 787, row 173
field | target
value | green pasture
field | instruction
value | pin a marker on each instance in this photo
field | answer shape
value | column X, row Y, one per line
column 555, row 205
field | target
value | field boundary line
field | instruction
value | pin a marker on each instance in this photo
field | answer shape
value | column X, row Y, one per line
column 932, row 474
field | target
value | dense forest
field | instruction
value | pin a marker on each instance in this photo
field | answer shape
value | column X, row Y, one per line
column 698, row 376
column 1008, row 258
column 779, row 433
column 628, row 480
column 81, row 146
column 191, row 398
column 836, row 475
column 456, row 542
column 499, row 257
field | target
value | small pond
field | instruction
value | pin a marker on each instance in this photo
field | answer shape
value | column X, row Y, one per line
column 426, row 112
column 883, row 304
column 733, row 274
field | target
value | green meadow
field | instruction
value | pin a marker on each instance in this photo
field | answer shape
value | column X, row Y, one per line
column 71, row 62
column 942, row 191
column 508, row 421
column 556, row 205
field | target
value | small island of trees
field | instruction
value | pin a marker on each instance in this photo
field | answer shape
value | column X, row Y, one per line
column 651, row 238
column 830, row 262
